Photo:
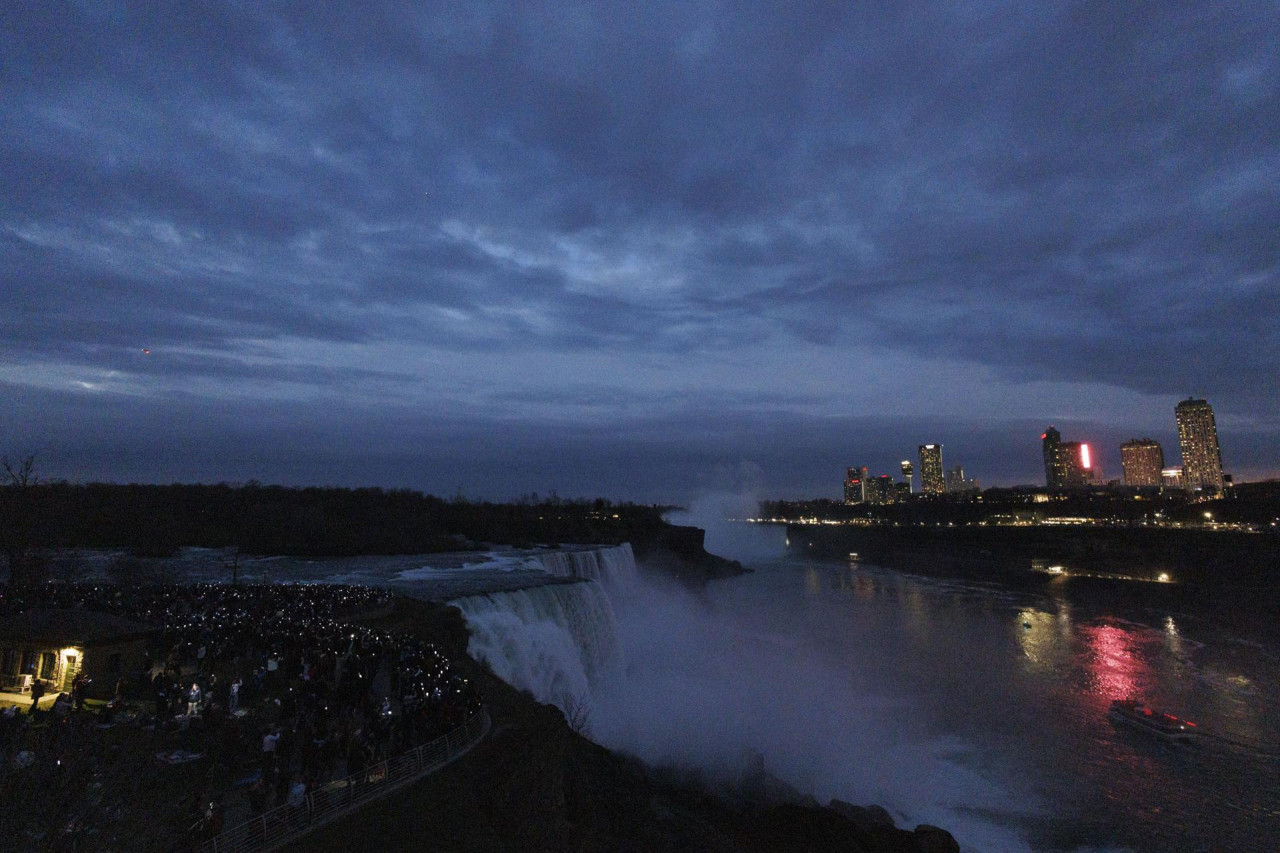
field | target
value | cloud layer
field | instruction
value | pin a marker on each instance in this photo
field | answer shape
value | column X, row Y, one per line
column 619, row 216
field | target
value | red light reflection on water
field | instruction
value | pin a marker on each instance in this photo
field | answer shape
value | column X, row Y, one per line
column 1115, row 668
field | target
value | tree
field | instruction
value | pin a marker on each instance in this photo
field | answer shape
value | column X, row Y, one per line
column 17, row 520
column 577, row 713
column 232, row 562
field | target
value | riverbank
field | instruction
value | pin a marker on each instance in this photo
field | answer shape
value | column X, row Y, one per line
column 1233, row 570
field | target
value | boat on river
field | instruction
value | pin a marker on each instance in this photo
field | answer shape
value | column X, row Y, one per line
column 1139, row 715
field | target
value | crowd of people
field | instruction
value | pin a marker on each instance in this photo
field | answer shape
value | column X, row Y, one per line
column 273, row 689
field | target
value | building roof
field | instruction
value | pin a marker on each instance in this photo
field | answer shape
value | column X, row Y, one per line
column 69, row 627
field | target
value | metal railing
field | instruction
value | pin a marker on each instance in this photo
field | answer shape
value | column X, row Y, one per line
column 286, row 823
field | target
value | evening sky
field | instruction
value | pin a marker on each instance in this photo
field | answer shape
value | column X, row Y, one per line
column 632, row 249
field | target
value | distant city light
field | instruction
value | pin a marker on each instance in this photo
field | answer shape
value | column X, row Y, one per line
column 1084, row 456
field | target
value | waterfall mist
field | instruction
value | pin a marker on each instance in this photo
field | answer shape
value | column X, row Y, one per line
column 722, row 682
column 720, row 514
column 712, row 687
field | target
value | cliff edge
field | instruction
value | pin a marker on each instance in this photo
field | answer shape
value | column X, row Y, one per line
column 534, row 784
column 680, row 552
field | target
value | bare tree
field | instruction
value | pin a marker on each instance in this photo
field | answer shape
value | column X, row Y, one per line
column 232, row 561
column 577, row 713
column 23, row 474
column 17, row 518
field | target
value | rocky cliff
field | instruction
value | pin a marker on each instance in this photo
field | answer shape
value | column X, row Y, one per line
column 680, row 552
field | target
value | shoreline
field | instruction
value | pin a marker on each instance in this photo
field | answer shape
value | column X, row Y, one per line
column 1227, row 570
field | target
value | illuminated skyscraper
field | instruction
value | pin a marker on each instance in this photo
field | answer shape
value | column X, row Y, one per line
column 881, row 490
column 1067, row 464
column 907, row 470
column 855, row 485
column 1142, row 460
column 1055, row 463
column 1198, row 437
column 1076, row 464
column 931, row 479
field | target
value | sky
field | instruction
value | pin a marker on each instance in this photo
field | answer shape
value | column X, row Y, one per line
column 637, row 250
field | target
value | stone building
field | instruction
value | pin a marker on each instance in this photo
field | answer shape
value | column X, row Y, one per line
column 54, row 645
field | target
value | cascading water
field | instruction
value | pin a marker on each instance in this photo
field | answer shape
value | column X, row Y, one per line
column 614, row 567
column 556, row 640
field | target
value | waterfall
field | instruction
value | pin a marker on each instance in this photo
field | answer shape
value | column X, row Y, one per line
column 556, row 640
column 614, row 567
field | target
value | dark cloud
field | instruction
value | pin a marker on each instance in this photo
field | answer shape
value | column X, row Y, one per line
column 666, row 201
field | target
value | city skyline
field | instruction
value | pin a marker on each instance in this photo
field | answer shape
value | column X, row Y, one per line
column 1076, row 464
column 636, row 251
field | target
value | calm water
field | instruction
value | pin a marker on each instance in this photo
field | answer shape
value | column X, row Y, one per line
column 1020, row 684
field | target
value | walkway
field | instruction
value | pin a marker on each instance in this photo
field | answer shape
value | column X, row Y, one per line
column 287, row 823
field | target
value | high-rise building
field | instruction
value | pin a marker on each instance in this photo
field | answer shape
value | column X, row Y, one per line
column 855, row 485
column 958, row 483
column 1067, row 464
column 1076, row 464
column 931, row 479
column 861, row 488
column 881, row 490
column 1055, row 464
column 1171, row 477
column 1142, row 460
column 907, row 470
column 1198, row 438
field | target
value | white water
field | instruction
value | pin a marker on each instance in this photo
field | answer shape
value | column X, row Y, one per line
column 614, row 567
column 557, row 641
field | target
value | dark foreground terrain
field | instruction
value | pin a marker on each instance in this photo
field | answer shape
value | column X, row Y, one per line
column 535, row 784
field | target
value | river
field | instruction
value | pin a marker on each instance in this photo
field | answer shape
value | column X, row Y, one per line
column 974, row 706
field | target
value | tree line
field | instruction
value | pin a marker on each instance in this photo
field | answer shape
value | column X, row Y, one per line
column 156, row 520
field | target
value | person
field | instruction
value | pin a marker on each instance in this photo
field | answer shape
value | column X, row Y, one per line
column 37, row 693
column 258, row 796
column 193, row 699
column 269, row 741
column 297, row 794
column 233, row 703
column 77, row 690
column 213, row 818
column 162, row 696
